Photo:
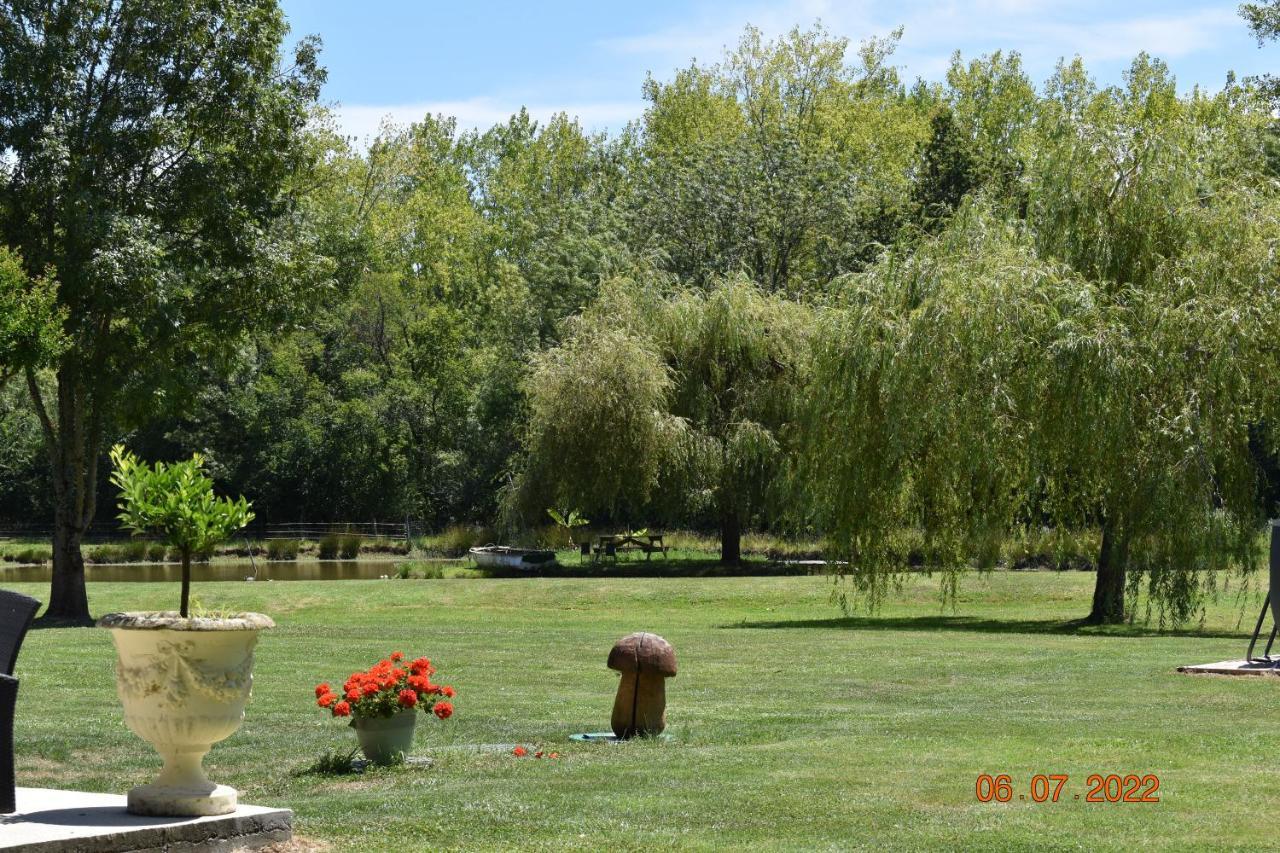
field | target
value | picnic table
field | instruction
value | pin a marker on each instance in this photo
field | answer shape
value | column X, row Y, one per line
column 610, row 546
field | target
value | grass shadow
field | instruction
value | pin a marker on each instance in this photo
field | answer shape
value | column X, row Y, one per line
column 987, row 626
column 692, row 568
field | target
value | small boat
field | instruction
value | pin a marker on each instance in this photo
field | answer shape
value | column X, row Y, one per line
column 500, row 556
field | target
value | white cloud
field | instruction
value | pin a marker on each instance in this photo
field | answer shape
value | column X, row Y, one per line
column 933, row 30
column 364, row 120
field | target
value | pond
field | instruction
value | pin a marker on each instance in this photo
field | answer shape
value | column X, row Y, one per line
column 222, row 570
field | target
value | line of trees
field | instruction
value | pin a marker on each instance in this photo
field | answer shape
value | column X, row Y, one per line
column 797, row 293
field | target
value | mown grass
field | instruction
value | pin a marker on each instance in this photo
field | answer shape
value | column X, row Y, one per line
column 792, row 726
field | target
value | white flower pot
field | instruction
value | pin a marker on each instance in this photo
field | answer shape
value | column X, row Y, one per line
column 184, row 684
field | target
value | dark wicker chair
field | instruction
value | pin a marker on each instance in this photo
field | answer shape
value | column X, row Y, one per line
column 16, row 612
column 8, row 697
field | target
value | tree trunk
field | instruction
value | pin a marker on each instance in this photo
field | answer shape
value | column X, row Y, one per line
column 1108, row 590
column 186, row 582
column 730, row 537
column 72, row 444
column 68, row 601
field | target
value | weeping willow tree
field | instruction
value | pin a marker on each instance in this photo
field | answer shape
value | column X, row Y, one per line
column 926, row 383
column 660, row 390
column 1099, row 363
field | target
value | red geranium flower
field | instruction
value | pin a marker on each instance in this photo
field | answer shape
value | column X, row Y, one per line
column 420, row 683
column 397, row 656
column 443, row 710
column 448, row 691
column 322, row 689
column 342, row 709
column 519, row 751
column 353, row 695
column 419, row 666
column 408, row 698
column 326, row 700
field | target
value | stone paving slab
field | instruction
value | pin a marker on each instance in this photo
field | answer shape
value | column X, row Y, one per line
column 51, row 820
column 1231, row 667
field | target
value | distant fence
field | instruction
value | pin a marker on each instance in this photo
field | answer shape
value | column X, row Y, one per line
column 314, row 530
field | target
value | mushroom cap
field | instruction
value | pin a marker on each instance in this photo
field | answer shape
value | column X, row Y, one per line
column 644, row 653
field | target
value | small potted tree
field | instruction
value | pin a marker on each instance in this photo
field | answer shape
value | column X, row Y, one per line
column 183, row 680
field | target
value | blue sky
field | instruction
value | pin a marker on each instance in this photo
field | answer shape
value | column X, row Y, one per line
column 480, row 61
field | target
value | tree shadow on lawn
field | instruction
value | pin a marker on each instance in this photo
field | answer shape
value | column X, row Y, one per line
column 990, row 626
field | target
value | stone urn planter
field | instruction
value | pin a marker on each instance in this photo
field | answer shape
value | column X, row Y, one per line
column 386, row 740
column 184, row 683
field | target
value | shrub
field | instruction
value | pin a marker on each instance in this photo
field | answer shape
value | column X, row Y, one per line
column 349, row 546
column 336, row 763
column 455, row 539
column 134, row 551
column 104, row 554
column 426, row 571
column 329, row 546
column 283, row 549
column 383, row 545
column 32, row 556
column 156, row 552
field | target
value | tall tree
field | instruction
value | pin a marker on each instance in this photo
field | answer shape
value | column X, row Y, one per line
column 788, row 161
column 1100, row 363
column 150, row 153
column 689, row 394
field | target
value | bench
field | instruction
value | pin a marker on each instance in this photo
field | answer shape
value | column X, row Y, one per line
column 611, row 546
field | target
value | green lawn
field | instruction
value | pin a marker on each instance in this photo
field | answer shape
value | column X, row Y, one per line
column 791, row 727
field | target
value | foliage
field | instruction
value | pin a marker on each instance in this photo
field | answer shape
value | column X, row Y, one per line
column 567, row 521
column 336, row 763
column 786, row 161
column 693, row 392
column 30, row 317
column 283, row 549
column 1099, row 363
column 349, row 546
column 175, row 501
column 329, row 546
column 179, row 133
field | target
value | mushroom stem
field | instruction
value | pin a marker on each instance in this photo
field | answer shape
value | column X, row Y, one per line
column 640, row 706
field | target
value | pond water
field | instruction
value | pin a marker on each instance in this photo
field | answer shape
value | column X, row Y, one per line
column 228, row 570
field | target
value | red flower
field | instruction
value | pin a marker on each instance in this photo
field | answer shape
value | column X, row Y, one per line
column 443, row 710
column 322, row 689
column 420, row 666
column 353, row 695
column 555, row 755
column 518, row 752
column 397, row 656
column 326, row 700
column 538, row 754
column 449, row 691
column 420, row 683
column 370, row 688
column 342, row 709
column 408, row 698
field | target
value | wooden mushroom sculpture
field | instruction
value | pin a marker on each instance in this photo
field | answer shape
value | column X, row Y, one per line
column 646, row 661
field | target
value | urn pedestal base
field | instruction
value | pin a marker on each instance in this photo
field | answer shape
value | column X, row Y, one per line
column 172, row 800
